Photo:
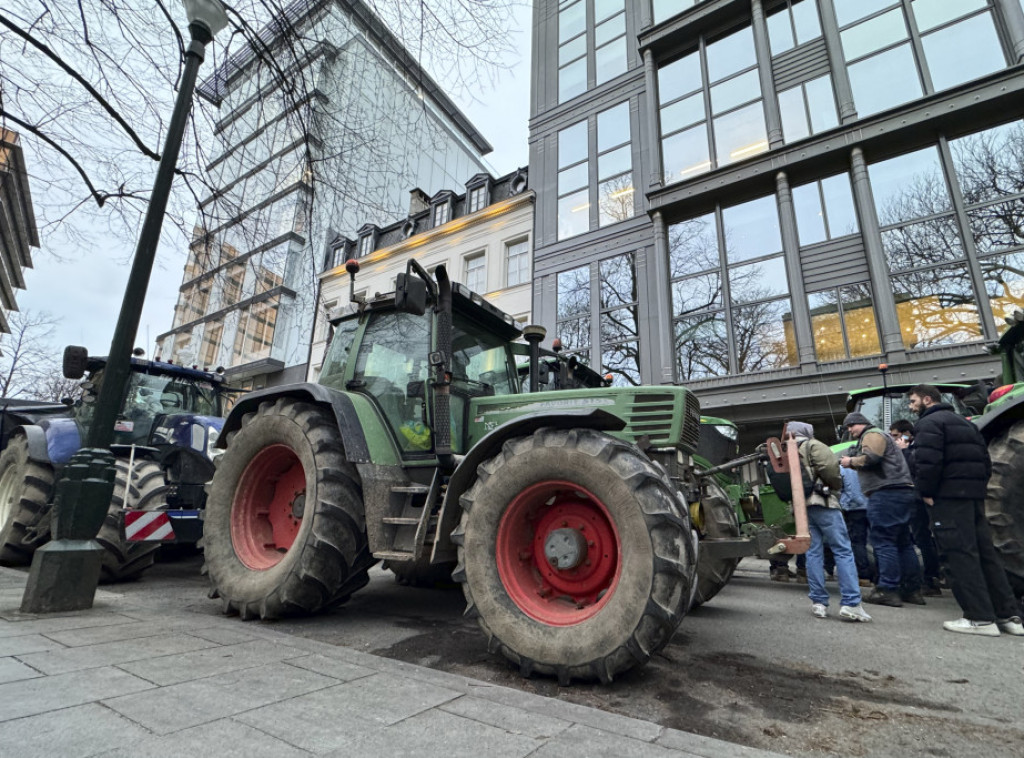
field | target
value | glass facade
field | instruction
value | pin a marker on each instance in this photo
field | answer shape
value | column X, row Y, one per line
column 591, row 44
column 573, row 312
column 844, row 324
column 620, row 339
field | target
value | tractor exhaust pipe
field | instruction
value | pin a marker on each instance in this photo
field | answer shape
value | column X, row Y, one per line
column 442, row 372
column 534, row 334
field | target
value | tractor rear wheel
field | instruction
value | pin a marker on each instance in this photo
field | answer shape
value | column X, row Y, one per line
column 26, row 491
column 143, row 487
column 717, row 521
column 575, row 554
column 285, row 531
column 1004, row 505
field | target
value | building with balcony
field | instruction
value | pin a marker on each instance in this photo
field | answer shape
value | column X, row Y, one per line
column 17, row 224
column 362, row 123
column 766, row 199
column 483, row 237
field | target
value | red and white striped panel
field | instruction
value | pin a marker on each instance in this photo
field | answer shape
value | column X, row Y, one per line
column 147, row 526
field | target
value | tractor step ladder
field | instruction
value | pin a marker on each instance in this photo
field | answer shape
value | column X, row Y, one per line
column 408, row 526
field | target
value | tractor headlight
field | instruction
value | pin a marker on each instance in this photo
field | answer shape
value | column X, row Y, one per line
column 212, row 451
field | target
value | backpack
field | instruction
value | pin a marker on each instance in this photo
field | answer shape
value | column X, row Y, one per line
column 782, row 484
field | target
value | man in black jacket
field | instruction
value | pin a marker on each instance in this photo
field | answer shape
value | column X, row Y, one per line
column 952, row 471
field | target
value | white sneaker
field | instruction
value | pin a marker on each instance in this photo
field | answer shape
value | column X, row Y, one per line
column 819, row 610
column 853, row 613
column 966, row 626
column 1011, row 625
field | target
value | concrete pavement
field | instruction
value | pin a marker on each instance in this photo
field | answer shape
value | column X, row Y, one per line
column 127, row 679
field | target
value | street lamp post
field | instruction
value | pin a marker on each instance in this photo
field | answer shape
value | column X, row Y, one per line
column 66, row 570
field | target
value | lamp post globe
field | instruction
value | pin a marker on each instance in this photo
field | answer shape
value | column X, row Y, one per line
column 65, row 571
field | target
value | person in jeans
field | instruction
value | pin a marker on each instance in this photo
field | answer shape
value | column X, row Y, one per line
column 885, row 479
column 953, row 467
column 902, row 433
column 855, row 514
column 826, row 525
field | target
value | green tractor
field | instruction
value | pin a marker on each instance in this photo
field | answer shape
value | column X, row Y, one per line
column 566, row 511
column 1002, row 425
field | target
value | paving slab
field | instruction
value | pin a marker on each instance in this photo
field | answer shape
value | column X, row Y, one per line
column 51, row 693
column 27, row 643
column 77, row 732
column 168, row 709
column 707, row 746
column 222, row 739
column 12, row 670
column 210, row 661
column 332, row 667
column 112, row 653
column 95, row 635
column 579, row 741
column 44, row 625
column 512, row 720
column 438, row 734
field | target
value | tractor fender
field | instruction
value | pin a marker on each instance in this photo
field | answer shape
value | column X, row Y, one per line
column 353, row 438
column 996, row 420
column 464, row 476
column 35, row 436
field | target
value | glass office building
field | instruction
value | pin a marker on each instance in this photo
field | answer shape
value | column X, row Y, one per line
column 766, row 199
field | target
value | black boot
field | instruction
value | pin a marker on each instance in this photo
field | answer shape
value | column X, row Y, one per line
column 879, row 596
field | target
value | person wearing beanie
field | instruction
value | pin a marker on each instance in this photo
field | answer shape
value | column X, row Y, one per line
column 885, row 479
column 827, row 527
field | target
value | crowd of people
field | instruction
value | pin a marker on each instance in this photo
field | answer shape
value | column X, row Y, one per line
column 914, row 486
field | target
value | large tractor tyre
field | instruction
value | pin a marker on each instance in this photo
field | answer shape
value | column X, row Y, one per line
column 574, row 554
column 1004, row 506
column 422, row 573
column 716, row 520
column 285, row 530
column 143, row 487
column 26, row 491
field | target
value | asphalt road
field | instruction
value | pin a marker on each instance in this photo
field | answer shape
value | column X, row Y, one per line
column 752, row 667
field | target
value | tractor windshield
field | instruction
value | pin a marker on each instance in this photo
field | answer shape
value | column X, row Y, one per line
column 336, row 361
column 899, row 407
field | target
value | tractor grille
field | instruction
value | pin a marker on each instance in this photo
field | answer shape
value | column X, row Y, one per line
column 651, row 415
column 690, row 432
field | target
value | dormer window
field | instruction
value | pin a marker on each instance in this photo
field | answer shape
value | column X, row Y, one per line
column 478, row 192
column 477, row 198
column 441, row 208
column 365, row 245
column 442, row 214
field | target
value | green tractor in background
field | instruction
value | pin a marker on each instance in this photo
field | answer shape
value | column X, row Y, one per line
column 567, row 511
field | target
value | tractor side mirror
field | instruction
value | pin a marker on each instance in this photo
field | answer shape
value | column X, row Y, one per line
column 410, row 294
column 76, row 360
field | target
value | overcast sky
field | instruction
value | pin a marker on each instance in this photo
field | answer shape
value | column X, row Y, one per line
column 84, row 293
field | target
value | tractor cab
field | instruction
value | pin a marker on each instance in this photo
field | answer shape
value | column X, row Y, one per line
column 885, row 405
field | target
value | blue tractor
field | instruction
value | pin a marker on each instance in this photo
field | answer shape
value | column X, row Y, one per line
column 170, row 419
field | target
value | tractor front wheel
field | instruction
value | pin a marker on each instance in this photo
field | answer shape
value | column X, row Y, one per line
column 26, row 489
column 1004, row 505
column 143, row 486
column 717, row 520
column 575, row 555
column 285, row 531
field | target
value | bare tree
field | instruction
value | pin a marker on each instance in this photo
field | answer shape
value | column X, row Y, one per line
column 55, row 387
column 27, row 356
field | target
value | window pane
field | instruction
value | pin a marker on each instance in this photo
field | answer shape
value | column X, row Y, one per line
column 664, row 9
column 936, row 307
column 805, row 19
column 615, row 162
column 572, row 20
column 679, row 78
column 963, row 51
column 909, row 186
column 879, row 32
column 617, row 281
column 763, row 335
column 604, row 8
column 758, row 281
column 702, row 347
column 573, row 178
column 740, row 134
column 896, row 68
column 752, row 229
column 574, row 334
column 821, row 103
column 686, row 154
column 839, row 209
column 612, row 127
column 932, row 13
column 570, row 51
column 810, row 218
column 914, row 245
column 572, row 80
column 848, row 11
column 990, row 164
column 610, row 60
column 693, row 246
column 794, row 115
column 780, row 31
column 998, row 227
column 615, row 200
column 1004, row 285
column 623, row 363
column 682, row 113
column 573, row 292
column 733, row 92
column 827, row 326
column 730, row 54
column 617, row 325
column 572, row 144
column 573, row 214
column 859, row 317
column 476, row 274
column 610, row 29
column 698, row 293
column 518, row 264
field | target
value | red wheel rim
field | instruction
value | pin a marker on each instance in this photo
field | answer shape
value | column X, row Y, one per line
column 548, row 514
column 269, row 504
